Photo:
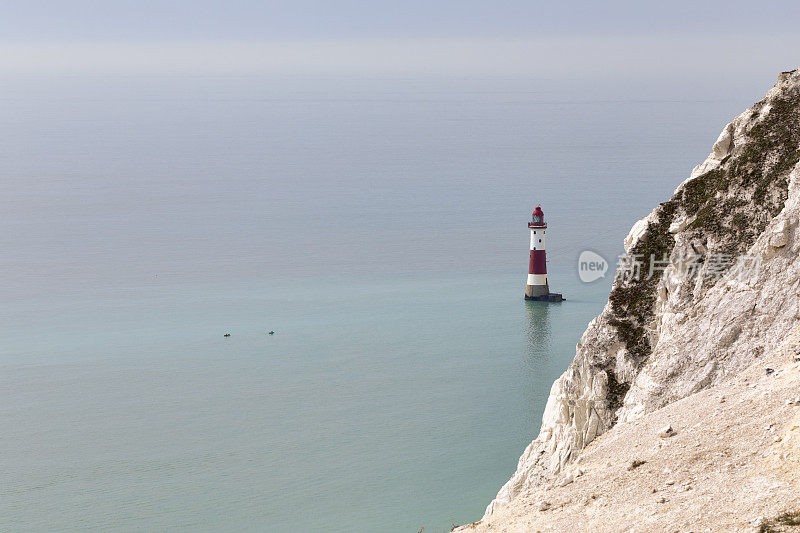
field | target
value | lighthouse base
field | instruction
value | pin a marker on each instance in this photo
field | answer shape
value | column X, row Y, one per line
column 549, row 297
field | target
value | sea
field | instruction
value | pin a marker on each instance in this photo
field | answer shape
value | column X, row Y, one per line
column 376, row 224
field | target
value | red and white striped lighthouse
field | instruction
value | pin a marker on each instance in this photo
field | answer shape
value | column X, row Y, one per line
column 537, row 288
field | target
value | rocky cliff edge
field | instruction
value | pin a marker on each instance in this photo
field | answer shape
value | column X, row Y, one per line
column 710, row 287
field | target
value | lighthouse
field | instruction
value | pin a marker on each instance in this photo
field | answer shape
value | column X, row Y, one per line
column 537, row 287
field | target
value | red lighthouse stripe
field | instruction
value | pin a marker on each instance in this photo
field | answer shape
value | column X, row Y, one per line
column 538, row 264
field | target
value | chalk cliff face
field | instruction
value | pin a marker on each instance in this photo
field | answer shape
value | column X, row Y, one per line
column 725, row 290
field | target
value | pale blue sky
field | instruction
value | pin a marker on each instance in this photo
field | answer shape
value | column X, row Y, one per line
column 201, row 20
column 700, row 41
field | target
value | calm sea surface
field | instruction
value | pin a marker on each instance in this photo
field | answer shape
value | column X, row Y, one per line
column 378, row 226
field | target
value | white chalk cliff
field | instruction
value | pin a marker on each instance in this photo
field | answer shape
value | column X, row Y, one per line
column 662, row 339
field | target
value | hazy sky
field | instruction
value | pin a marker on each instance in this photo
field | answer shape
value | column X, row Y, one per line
column 600, row 38
column 201, row 20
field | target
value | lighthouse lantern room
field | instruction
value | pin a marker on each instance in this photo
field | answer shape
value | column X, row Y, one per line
column 537, row 287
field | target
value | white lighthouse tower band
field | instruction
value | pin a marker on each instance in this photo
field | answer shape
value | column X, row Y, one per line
column 537, row 288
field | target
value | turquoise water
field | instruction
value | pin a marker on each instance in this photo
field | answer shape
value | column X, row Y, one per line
column 374, row 405
column 377, row 226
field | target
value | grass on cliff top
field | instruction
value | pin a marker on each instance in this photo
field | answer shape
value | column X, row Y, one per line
column 774, row 525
